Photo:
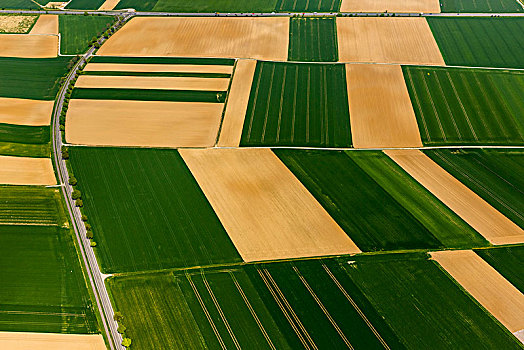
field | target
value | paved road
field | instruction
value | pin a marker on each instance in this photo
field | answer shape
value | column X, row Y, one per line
column 88, row 257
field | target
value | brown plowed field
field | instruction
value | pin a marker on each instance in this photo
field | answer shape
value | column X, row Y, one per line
column 387, row 40
column 165, row 83
column 108, row 5
column 28, row 46
column 143, row 123
column 25, row 112
column 26, row 171
column 266, row 211
column 380, row 108
column 403, row 6
column 50, row 341
column 489, row 222
column 486, row 285
column 46, row 24
column 234, row 37
column 157, row 68
column 237, row 101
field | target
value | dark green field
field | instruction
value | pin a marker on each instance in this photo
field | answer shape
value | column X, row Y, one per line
column 199, row 5
column 508, row 261
column 150, row 95
column 43, row 289
column 164, row 60
column 313, row 40
column 147, row 210
column 25, row 150
column 25, row 134
column 27, row 79
column 308, row 5
column 77, row 31
column 423, row 306
column 469, row 6
column 467, row 106
column 158, row 74
column 495, row 175
column 293, row 104
column 31, row 205
column 18, row 4
column 400, row 215
column 139, row 5
column 85, row 4
column 480, row 42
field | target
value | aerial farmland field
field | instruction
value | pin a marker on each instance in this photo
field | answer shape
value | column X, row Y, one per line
column 507, row 261
column 78, row 31
column 85, row 4
column 496, row 6
column 308, row 6
column 18, row 4
column 313, row 39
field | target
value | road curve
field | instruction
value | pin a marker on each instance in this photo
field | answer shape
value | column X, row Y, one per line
column 94, row 274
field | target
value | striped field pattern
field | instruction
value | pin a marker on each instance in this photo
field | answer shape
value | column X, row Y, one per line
column 313, row 40
column 308, row 5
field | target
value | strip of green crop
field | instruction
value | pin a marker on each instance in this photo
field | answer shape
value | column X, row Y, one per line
column 467, row 106
column 363, row 209
column 480, row 42
column 308, row 6
column 215, row 6
column 298, row 104
column 313, row 40
column 164, row 60
column 25, row 134
column 85, row 4
column 150, row 95
column 424, row 307
column 508, row 261
column 159, row 74
column 76, row 32
column 25, row 150
column 147, row 211
column 19, row 4
column 495, row 175
column 470, row 6
column 139, row 5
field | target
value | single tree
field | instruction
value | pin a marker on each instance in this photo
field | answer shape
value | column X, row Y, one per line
column 126, row 342
column 121, row 329
column 89, row 234
column 73, row 181
column 76, row 194
column 118, row 316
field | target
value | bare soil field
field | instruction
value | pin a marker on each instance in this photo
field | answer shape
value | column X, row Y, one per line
column 26, row 171
column 266, row 211
column 404, row 6
column 486, row 285
column 28, row 46
column 387, row 40
column 488, row 221
column 25, row 112
column 228, row 37
column 380, row 109
column 157, row 68
column 16, row 24
column 237, row 101
column 50, row 341
column 108, row 5
column 46, row 24
column 143, row 123
column 165, row 83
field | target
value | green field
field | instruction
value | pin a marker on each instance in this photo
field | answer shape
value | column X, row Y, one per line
column 469, row 6
column 27, row 78
column 158, row 74
column 150, row 95
column 85, row 4
column 147, row 210
column 495, row 175
column 31, row 205
column 376, row 203
column 164, row 60
column 77, row 31
column 25, row 150
column 467, row 106
column 43, row 289
column 25, row 134
column 313, row 40
column 423, row 306
column 480, row 42
column 139, row 5
column 215, row 6
column 297, row 104
column 508, row 261
column 308, row 5
column 18, row 4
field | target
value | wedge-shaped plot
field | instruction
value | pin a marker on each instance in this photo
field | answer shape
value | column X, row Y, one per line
column 387, row 40
column 28, row 46
column 157, row 68
column 46, row 24
column 164, row 83
column 403, row 6
column 108, row 5
column 48, row 341
column 26, row 171
column 486, row 285
column 266, row 211
column 25, row 112
column 143, row 123
column 489, row 222
column 380, row 108
column 262, row 38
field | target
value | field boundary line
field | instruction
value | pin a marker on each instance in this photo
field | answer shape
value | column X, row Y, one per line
column 268, row 103
column 219, row 131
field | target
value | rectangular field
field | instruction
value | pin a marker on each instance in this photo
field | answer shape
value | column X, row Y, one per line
column 265, row 210
column 199, row 5
column 157, row 68
column 20, row 24
column 19, row 5
column 508, row 261
column 43, row 288
column 77, row 31
column 469, row 6
column 467, row 106
column 85, row 4
column 26, row 171
column 495, row 175
column 122, row 123
column 25, row 150
column 480, row 42
column 26, row 340
column 163, row 83
column 308, row 6
column 28, row 46
column 109, row 94
column 158, row 61
column 387, row 40
column 228, row 37
column 380, row 108
column 147, row 211
column 25, row 112
column 313, row 40
column 25, row 134
column 46, row 24
column 298, row 104
column 403, row 6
